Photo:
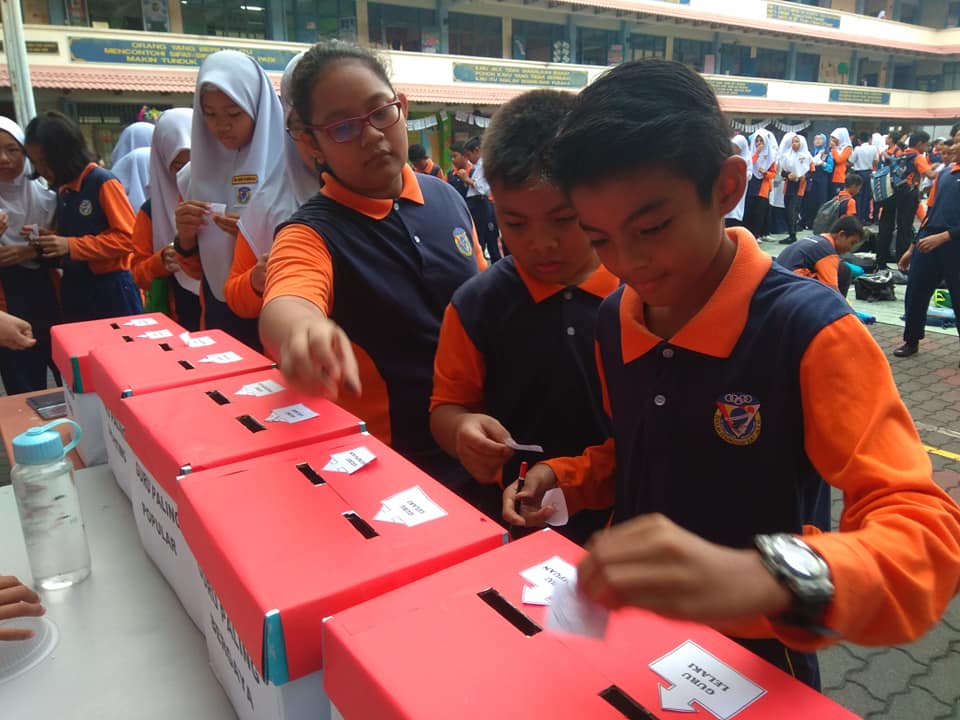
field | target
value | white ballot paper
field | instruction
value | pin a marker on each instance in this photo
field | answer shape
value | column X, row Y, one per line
column 571, row 612
column 411, row 507
column 261, row 389
column 554, row 498
column 156, row 334
column 292, row 414
column 223, row 358
column 141, row 322
column 350, row 461
column 519, row 447
column 199, row 341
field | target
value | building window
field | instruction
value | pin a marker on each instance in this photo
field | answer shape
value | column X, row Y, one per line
column 394, row 27
column 736, row 60
column 124, row 15
column 593, row 46
column 771, row 63
column 311, row 20
column 691, row 52
column 535, row 40
column 644, row 46
column 225, row 18
column 808, row 67
column 953, row 15
column 477, row 35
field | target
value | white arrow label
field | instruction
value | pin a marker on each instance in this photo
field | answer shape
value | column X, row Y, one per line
column 222, row 358
column 156, row 334
column 201, row 341
column 141, row 322
column 698, row 677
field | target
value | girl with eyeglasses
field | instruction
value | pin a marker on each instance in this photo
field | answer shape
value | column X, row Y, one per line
column 294, row 181
column 155, row 267
column 26, row 280
column 358, row 279
column 236, row 144
column 94, row 227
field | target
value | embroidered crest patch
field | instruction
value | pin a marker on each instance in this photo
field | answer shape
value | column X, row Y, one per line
column 737, row 418
column 461, row 239
column 243, row 195
column 85, row 208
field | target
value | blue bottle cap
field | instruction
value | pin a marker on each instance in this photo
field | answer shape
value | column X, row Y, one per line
column 43, row 444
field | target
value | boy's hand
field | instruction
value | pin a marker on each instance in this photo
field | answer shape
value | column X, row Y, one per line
column 52, row 245
column 170, row 259
column 904, row 262
column 317, row 358
column 930, row 243
column 227, row 223
column 189, row 217
column 480, row 446
column 17, row 600
column 4, row 222
column 16, row 254
column 540, row 478
column 258, row 278
column 652, row 563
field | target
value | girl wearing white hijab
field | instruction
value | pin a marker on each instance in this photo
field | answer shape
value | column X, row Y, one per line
column 291, row 184
column 133, row 172
column 763, row 163
column 741, row 147
column 237, row 143
column 26, row 282
column 155, row 267
column 134, row 136
column 840, row 149
column 795, row 163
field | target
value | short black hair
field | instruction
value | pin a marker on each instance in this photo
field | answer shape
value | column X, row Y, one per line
column 852, row 180
column 848, row 225
column 948, row 142
column 318, row 60
column 472, row 144
column 955, row 129
column 644, row 115
column 864, row 137
column 457, row 147
column 64, row 146
column 416, row 152
column 920, row 136
column 896, row 137
column 516, row 143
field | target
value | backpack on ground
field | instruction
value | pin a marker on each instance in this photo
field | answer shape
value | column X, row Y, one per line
column 828, row 214
column 875, row 286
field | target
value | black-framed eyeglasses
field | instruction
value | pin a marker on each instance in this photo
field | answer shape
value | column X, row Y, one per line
column 379, row 118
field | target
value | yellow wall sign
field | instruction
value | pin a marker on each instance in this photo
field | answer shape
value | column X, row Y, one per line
column 804, row 15
column 515, row 75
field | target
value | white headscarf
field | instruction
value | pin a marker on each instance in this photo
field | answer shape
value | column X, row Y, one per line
column 172, row 135
column 232, row 177
column 879, row 142
column 794, row 161
column 133, row 136
column 769, row 155
column 25, row 201
column 288, row 187
column 133, row 172
column 843, row 138
column 742, row 148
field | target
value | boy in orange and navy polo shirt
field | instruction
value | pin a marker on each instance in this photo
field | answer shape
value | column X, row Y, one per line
column 515, row 357
column 735, row 388
column 423, row 163
column 818, row 256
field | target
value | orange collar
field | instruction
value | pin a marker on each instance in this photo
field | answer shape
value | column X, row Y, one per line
column 430, row 166
column 75, row 184
column 374, row 208
column 717, row 327
column 601, row 282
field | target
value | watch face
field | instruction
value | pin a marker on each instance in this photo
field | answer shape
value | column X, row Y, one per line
column 802, row 561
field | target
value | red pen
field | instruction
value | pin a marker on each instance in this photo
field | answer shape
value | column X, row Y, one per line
column 520, row 478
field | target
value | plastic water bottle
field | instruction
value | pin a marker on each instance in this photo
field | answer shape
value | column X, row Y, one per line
column 46, row 493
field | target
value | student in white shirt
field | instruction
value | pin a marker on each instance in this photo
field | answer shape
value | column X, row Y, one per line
column 478, row 201
column 863, row 161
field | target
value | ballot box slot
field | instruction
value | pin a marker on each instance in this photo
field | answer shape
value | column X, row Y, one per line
column 218, row 397
column 127, row 338
column 250, row 423
column 115, row 326
column 166, row 347
column 310, row 474
column 509, row 612
column 626, row 705
column 360, row 525
column 186, row 365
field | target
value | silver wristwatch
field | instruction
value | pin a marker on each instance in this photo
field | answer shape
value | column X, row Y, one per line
column 800, row 569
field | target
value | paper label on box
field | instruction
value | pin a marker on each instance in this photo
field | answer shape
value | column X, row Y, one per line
column 261, row 388
column 156, row 334
column 199, row 341
column 550, row 573
column 223, row 358
column 350, row 461
column 412, row 506
column 292, row 414
column 541, row 595
column 141, row 322
column 697, row 676
column 571, row 612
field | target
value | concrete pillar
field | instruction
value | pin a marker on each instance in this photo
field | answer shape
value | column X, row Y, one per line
column 572, row 37
column 717, row 52
column 506, row 28
column 176, row 17
column 889, row 68
column 276, row 27
column 443, row 21
column 853, row 78
column 625, row 41
column 792, row 61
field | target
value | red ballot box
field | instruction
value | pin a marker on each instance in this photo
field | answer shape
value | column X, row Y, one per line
column 287, row 539
column 205, row 425
column 160, row 364
column 462, row 643
column 72, row 344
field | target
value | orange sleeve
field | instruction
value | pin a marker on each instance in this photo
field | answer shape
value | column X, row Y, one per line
column 458, row 368
column 587, row 480
column 826, row 270
column 767, row 181
column 477, row 252
column 191, row 265
column 117, row 240
column 896, row 560
column 300, row 265
column 932, row 197
column 840, row 158
column 851, row 206
column 922, row 163
column 239, row 293
column 146, row 265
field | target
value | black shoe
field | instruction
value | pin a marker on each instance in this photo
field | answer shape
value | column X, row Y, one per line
column 788, row 241
column 907, row 349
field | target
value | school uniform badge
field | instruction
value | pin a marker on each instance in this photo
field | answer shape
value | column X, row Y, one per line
column 737, row 418
column 463, row 242
column 243, row 195
column 85, row 208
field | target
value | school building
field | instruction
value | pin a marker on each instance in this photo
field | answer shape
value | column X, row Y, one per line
column 865, row 64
